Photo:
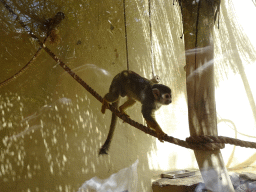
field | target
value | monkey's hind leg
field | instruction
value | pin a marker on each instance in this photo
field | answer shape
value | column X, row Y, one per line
column 110, row 97
column 105, row 147
column 130, row 102
column 105, row 105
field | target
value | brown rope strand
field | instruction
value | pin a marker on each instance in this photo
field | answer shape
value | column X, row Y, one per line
column 21, row 71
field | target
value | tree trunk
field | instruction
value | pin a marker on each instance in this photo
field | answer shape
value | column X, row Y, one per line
column 198, row 23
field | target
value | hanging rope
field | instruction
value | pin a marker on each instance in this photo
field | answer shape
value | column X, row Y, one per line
column 126, row 42
column 194, row 142
column 151, row 40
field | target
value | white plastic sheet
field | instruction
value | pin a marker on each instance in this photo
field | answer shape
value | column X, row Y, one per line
column 123, row 181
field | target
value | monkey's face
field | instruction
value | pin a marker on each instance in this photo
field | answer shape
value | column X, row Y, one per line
column 162, row 94
column 166, row 98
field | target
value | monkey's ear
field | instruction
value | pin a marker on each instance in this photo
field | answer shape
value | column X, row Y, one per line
column 156, row 93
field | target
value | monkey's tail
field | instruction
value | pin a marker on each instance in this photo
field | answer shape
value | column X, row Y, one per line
column 104, row 149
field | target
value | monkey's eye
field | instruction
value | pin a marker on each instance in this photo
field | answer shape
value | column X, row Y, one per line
column 167, row 96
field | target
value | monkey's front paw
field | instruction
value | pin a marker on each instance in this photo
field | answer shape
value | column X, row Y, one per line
column 105, row 105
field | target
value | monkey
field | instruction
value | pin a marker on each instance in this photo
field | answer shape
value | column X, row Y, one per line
column 136, row 88
column 155, row 79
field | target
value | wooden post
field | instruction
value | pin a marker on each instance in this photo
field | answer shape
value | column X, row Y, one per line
column 198, row 23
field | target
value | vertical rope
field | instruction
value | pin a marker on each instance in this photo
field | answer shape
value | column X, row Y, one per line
column 151, row 41
column 197, row 21
column 126, row 44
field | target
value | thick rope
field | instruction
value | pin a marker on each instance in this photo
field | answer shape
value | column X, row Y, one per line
column 220, row 140
column 194, row 142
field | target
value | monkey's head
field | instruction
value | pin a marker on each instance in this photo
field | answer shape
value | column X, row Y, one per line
column 162, row 94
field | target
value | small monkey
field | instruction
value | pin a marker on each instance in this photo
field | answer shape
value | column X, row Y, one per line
column 155, row 79
column 136, row 88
